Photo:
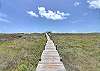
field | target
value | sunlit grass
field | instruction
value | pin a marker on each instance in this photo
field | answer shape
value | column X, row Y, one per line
column 23, row 54
column 79, row 52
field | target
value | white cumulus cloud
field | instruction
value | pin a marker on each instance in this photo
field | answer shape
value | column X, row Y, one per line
column 76, row 4
column 63, row 14
column 49, row 14
column 94, row 4
column 32, row 13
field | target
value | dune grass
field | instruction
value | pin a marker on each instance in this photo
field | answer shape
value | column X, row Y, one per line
column 21, row 54
column 79, row 52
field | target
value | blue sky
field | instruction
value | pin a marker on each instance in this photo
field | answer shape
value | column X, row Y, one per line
column 49, row 15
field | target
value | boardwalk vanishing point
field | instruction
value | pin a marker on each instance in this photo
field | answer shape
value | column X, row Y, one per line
column 50, row 59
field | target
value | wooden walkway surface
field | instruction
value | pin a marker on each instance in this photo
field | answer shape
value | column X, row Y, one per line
column 50, row 59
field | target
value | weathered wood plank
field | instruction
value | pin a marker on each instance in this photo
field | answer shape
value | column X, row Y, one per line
column 50, row 59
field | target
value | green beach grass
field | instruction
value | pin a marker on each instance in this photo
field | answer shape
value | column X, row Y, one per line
column 21, row 54
column 79, row 52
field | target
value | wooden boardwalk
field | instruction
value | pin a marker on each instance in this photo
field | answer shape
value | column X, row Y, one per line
column 50, row 59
